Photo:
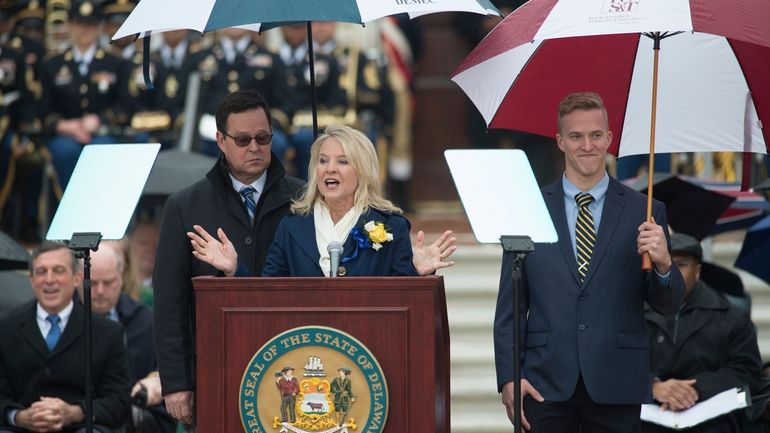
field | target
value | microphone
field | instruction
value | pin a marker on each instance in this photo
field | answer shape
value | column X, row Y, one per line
column 335, row 251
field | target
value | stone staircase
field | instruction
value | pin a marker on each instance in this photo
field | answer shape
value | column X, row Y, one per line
column 471, row 289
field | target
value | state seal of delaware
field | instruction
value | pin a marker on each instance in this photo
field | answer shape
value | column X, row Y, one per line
column 313, row 379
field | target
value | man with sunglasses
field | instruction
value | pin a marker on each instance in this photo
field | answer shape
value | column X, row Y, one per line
column 246, row 194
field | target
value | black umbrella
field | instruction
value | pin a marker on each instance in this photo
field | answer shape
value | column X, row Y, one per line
column 722, row 279
column 726, row 282
column 691, row 209
column 763, row 185
column 755, row 250
column 175, row 170
column 15, row 291
column 12, row 255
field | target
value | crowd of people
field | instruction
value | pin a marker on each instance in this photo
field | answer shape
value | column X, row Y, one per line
column 65, row 84
column 146, row 378
column 598, row 343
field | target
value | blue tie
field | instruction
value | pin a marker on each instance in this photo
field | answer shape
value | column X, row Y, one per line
column 248, row 195
column 53, row 335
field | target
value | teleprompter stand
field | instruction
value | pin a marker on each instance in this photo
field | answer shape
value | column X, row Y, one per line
column 82, row 244
column 519, row 246
column 501, row 197
column 81, row 224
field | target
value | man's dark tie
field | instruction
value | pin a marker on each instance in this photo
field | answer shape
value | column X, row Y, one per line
column 53, row 335
column 248, row 195
column 585, row 237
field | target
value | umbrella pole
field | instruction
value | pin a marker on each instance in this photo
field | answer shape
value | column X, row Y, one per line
column 646, row 260
column 311, row 56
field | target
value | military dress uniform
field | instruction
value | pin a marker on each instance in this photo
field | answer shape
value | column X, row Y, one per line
column 20, row 161
column 371, row 101
column 363, row 77
column 16, row 101
column 149, row 120
column 72, row 90
column 144, row 116
column 331, row 98
column 115, row 13
column 230, row 66
column 30, row 19
column 175, row 64
column 32, row 52
column 17, row 120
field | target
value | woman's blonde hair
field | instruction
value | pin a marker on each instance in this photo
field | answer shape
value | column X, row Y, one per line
column 362, row 157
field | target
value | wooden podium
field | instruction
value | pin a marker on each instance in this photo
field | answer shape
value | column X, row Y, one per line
column 401, row 320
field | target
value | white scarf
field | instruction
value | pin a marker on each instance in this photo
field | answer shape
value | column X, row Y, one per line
column 326, row 231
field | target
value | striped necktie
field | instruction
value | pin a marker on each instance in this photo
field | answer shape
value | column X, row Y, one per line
column 251, row 206
column 53, row 335
column 585, row 237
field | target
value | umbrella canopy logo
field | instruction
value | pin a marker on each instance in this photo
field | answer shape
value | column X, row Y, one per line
column 614, row 6
column 415, row 2
column 313, row 379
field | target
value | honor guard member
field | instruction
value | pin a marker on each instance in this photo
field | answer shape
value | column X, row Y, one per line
column 29, row 20
column 56, row 31
column 242, row 64
column 115, row 13
column 385, row 39
column 363, row 77
column 331, row 99
column 180, row 54
column 84, row 92
column 17, row 153
column 20, row 19
column 147, row 120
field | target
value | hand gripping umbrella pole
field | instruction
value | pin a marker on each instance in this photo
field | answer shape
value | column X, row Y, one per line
column 656, row 37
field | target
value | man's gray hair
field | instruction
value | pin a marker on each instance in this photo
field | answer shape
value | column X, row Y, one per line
column 47, row 246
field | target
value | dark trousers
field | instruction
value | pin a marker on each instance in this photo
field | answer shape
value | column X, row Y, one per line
column 580, row 414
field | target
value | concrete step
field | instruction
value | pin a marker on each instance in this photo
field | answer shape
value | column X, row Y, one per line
column 483, row 420
column 476, row 406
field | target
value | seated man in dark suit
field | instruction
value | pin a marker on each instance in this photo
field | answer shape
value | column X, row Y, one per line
column 707, row 347
column 42, row 378
column 108, row 299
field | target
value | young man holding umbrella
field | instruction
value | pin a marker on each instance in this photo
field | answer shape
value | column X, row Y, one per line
column 585, row 358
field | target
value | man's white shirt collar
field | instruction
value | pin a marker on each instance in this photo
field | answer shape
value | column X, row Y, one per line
column 258, row 185
column 45, row 325
column 86, row 57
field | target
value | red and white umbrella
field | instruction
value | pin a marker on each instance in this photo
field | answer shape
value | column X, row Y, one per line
column 691, row 73
column 713, row 90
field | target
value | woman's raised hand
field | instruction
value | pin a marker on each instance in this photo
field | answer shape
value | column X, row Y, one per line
column 219, row 253
column 429, row 259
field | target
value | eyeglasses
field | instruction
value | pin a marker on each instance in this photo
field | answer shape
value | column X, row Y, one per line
column 245, row 140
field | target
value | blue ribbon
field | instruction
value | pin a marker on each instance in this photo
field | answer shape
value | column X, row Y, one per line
column 362, row 241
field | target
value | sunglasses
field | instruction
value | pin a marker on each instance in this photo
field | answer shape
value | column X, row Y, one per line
column 245, row 140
